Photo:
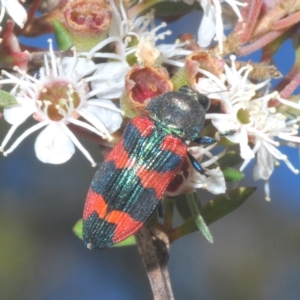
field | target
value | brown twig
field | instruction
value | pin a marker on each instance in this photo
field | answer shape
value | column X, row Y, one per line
column 155, row 253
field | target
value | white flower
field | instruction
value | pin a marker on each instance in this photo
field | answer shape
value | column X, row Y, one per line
column 140, row 36
column 57, row 98
column 214, row 182
column 136, row 37
column 255, row 123
column 108, row 81
column 15, row 10
column 212, row 23
column 188, row 179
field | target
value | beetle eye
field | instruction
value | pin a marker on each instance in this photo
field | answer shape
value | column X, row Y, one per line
column 204, row 101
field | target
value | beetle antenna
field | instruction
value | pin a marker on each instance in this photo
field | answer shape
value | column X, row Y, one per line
column 217, row 92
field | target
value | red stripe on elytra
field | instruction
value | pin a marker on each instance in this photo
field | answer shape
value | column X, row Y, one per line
column 155, row 180
column 119, row 156
column 94, row 202
column 125, row 224
column 174, row 144
column 144, row 125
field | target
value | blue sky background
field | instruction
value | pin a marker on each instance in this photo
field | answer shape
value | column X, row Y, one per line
column 255, row 254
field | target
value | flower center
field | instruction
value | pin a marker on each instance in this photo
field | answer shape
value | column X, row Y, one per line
column 243, row 116
column 58, row 99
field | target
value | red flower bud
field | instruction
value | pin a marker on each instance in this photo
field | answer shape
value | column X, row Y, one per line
column 144, row 83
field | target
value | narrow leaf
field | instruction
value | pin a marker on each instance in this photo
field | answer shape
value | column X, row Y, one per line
column 77, row 229
column 232, row 174
column 127, row 242
column 183, row 207
column 169, row 212
column 230, row 159
column 199, row 221
column 215, row 210
column 62, row 36
column 7, row 99
column 225, row 204
column 178, row 8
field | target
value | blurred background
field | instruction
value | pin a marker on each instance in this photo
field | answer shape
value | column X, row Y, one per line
column 255, row 254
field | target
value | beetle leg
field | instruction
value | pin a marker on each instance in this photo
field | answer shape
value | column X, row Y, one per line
column 196, row 164
column 207, row 140
column 227, row 133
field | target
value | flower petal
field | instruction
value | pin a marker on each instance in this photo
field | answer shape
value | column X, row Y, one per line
column 264, row 165
column 207, row 29
column 17, row 12
column 110, row 82
column 82, row 68
column 17, row 114
column 215, row 181
column 112, row 120
column 53, row 146
column 246, row 151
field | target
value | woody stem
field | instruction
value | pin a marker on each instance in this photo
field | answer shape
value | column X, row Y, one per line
column 155, row 254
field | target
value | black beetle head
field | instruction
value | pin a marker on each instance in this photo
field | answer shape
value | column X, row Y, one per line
column 180, row 112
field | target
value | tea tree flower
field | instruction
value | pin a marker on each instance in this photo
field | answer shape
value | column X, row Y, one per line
column 214, row 182
column 140, row 36
column 211, row 26
column 15, row 10
column 57, row 98
column 188, row 179
column 135, row 41
column 245, row 107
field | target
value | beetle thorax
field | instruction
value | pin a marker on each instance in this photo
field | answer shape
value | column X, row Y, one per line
column 178, row 113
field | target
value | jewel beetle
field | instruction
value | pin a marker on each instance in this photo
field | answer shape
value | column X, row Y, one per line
column 130, row 183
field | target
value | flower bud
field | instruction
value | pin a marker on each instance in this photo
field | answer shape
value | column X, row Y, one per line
column 203, row 61
column 88, row 22
column 142, row 84
column 10, row 51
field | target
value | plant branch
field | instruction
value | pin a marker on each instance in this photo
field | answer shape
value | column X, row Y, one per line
column 155, row 253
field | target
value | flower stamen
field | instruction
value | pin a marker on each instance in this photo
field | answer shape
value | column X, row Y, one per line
column 24, row 135
column 78, row 144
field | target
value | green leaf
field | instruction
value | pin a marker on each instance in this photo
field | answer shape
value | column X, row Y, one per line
column 6, row 99
column 224, row 204
column 232, row 174
column 128, row 242
column 214, row 210
column 230, row 159
column 168, row 214
column 183, row 207
column 77, row 229
column 174, row 8
column 62, row 35
column 199, row 221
